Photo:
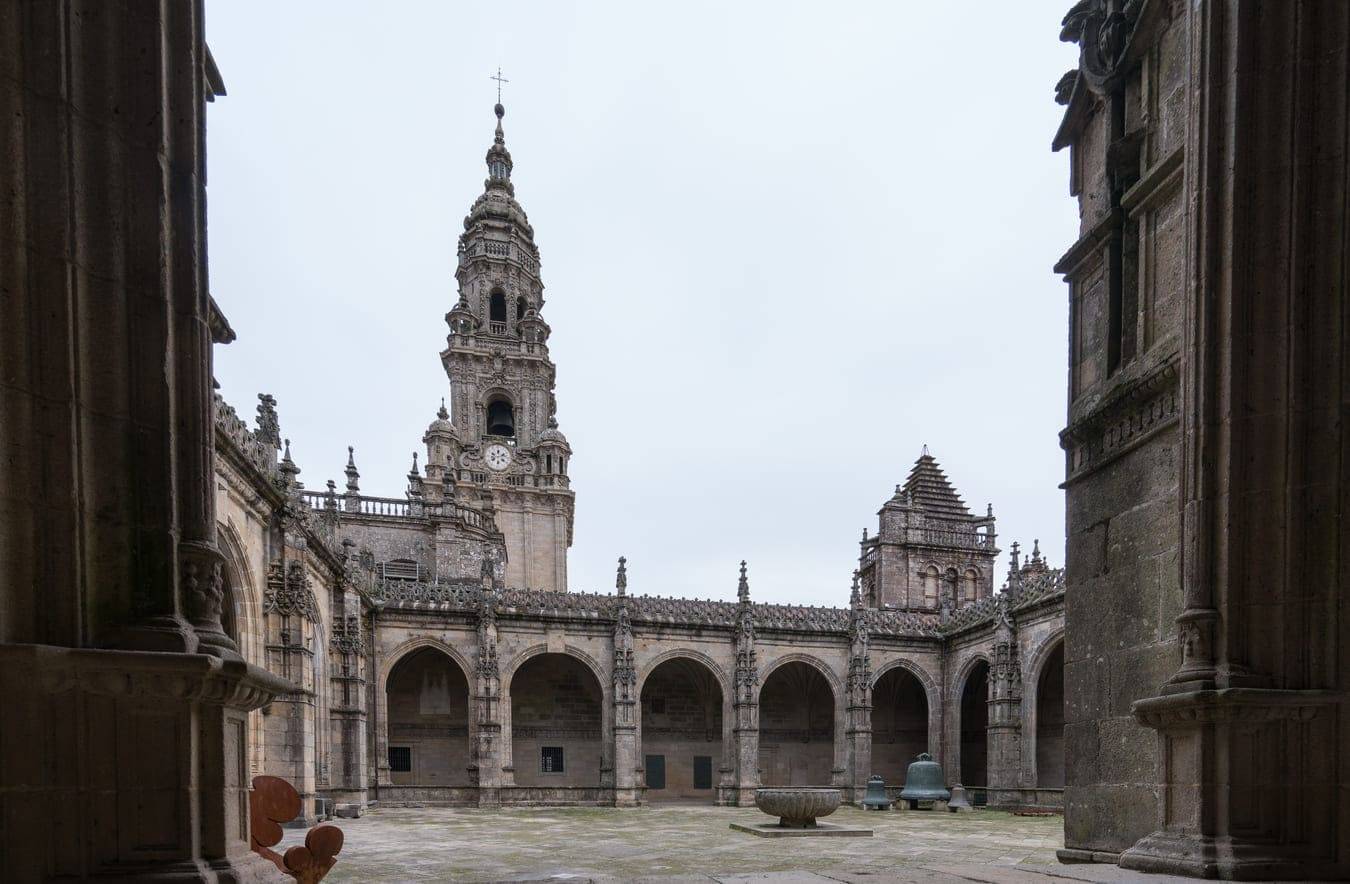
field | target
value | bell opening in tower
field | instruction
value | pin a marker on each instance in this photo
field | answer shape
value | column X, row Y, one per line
column 501, row 418
column 497, row 307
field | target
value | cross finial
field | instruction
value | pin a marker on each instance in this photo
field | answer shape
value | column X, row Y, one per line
column 500, row 80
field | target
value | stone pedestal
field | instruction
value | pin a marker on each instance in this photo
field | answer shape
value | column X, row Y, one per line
column 120, row 763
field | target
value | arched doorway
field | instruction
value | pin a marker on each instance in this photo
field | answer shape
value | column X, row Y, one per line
column 974, row 727
column 681, row 731
column 899, row 724
column 556, row 723
column 428, row 702
column 1050, row 721
column 796, row 727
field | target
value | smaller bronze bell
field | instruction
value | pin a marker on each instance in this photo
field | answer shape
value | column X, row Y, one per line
column 958, row 803
column 876, row 798
column 923, row 782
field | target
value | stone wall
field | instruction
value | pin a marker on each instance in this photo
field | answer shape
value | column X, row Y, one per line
column 555, row 702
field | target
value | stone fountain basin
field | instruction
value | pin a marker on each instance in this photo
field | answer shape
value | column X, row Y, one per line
column 797, row 807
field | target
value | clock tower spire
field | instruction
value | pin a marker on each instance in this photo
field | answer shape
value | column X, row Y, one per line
column 501, row 441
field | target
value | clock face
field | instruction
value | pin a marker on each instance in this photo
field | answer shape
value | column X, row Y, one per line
column 498, row 457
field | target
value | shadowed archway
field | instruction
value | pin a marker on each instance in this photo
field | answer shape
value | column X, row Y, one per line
column 974, row 727
column 796, row 727
column 428, row 707
column 681, row 749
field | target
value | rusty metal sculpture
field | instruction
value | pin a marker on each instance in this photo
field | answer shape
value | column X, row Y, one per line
column 274, row 801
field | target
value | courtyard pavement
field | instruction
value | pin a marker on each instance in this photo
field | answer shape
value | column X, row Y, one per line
column 687, row 843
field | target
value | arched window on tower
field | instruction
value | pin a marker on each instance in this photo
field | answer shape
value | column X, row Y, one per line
column 970, row 582
column 930, row 587
column 501, row 418
column 497, row 313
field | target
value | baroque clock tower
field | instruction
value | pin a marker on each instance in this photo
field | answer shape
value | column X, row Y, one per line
column 499, row 443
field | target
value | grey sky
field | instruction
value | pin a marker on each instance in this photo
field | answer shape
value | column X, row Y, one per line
column 784, row 245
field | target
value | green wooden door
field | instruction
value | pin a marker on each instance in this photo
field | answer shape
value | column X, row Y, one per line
column 656, row 771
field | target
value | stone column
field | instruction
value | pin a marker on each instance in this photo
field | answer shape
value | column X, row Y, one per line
column 858, row 723
column 106, row 478
column 746, row 704
column 1252, row 726
column 487, row 748
column 627, row 792
column 1004, row 731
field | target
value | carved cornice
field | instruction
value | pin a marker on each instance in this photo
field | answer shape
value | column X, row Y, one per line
column 48, row 670
column 1231, row 706
column 1123, row 418
column 465, row 597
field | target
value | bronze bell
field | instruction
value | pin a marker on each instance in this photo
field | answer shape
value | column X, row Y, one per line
column 958, row 802
column 876, row 798
column 923, row 782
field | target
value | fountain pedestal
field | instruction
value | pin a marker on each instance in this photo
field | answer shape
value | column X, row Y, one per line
column 798, row 811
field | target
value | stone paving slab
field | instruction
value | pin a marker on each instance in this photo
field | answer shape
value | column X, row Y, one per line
column 682, row 844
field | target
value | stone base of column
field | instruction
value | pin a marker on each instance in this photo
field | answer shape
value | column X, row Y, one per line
column 631, row 797
column 245, row 869
column 1250, row 776
column 1230, row 859
column 124, row 763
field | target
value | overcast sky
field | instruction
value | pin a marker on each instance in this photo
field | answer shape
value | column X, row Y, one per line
column 784, row 246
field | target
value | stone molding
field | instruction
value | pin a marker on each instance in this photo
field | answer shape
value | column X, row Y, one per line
column 1122, row 420
column 1231, row 706
column 147, row 675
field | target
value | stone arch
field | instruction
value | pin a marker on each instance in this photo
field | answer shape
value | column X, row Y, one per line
column 970, row 759
column 1052, row 777
column 602, row 680
column 723, row 680
column 836, row 685
column 242, row 594
column 600, row 673
column 244, row 598
column 407, row 646
column 793, row 749
column 932, row 694
column 677, row 754
column 438, row 757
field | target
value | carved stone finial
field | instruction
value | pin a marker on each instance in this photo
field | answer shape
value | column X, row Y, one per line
column 621, row 579
column 269, row 427
column 989, row 510
column 1013, row 556
column 855, row 594
column 352, row 475
column 442, row 413
column 288, row 466
column 743, row 586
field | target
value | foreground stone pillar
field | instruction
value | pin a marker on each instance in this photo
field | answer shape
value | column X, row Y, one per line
column 858, row 712
column 123, row 750
column 745, row 706
column 1004, row 731
column 627, row 791
column 488, row 757
column 1252, row 727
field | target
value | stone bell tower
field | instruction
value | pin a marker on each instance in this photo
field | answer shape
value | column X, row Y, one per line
column 499, row 442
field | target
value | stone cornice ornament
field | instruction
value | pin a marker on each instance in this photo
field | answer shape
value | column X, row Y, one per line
column 47, row 670
column 1103, row 30
column 1231, row 706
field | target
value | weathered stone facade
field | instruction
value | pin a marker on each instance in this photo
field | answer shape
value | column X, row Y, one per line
column 425, row 673
column 1206, row 445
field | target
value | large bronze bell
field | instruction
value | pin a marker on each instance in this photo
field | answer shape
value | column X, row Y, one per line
column 923, row 782
column 876, row 798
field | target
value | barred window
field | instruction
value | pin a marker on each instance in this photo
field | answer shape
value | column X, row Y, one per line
column 400, row 759
column 551, row 759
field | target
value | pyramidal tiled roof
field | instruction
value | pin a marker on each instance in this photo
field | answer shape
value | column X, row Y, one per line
column 929, row 487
